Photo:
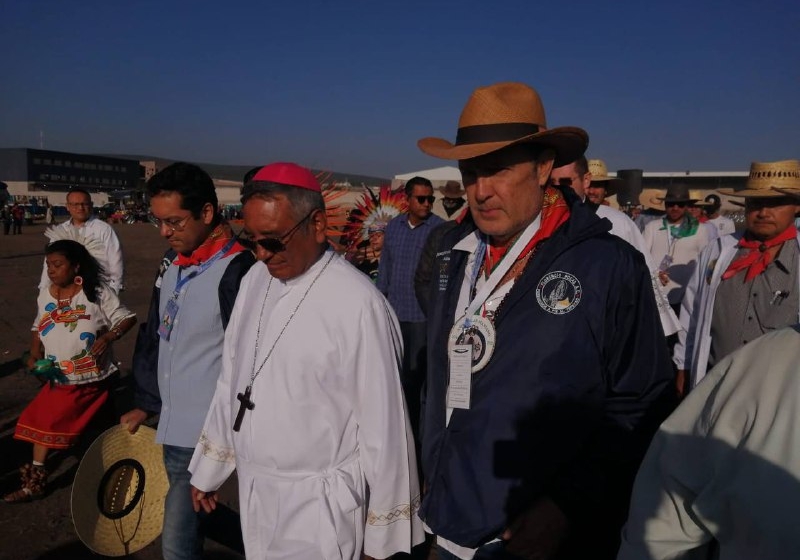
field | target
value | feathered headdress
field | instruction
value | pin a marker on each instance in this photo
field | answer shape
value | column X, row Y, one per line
column 373, row 212
column 93, row 245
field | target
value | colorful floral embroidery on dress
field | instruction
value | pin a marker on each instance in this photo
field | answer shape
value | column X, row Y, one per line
column 65, row 315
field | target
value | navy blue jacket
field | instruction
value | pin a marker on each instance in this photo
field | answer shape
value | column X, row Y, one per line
column 569, row 401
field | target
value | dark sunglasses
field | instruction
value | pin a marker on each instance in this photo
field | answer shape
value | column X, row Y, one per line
column 272, row 244
column 423, row 199
column 678, row 204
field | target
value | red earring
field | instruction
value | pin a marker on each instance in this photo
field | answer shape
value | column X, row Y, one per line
column 78, row 280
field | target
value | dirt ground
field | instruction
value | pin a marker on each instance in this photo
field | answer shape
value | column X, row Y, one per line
column 43, row 529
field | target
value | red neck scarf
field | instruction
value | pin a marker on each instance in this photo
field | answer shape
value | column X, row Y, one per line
column 555, row 212
column 215, row 241
column 758, row 258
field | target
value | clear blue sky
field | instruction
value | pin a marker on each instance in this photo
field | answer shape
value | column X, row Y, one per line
column 351, row 86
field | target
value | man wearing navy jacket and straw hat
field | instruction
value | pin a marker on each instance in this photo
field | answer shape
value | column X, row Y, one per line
column 748, row 283
column 548, row 367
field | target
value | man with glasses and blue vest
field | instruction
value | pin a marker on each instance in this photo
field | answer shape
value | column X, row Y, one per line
column 178, row 353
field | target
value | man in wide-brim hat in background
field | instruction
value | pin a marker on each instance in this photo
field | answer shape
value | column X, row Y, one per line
column 748, row 283
column 539, row 320
column 449, row 207
column 675, row 242
column 601, row 185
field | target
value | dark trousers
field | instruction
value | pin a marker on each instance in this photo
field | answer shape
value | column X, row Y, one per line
column 412, row 378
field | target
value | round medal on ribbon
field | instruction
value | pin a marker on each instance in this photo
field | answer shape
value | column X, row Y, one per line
column 478, row 333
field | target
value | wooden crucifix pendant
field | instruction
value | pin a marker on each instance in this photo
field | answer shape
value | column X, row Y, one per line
column 244, row 404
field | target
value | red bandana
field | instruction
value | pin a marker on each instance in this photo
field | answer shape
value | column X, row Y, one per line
column 555, row 212
column 216, row 240
column 757, row 260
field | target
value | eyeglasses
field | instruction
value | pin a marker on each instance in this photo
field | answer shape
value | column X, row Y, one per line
column 172, row 225
column 678, row 204
column 272, row 244
column 423, row 199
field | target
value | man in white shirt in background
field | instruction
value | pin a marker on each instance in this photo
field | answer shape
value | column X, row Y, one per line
column 675, row 242
column 79, row 206
column 724, row 225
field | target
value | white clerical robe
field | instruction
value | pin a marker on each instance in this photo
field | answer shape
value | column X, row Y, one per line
column 325, row 459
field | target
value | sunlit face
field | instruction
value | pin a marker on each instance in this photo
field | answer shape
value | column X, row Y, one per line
column 273, row 218
column 420, row 203
column 184, row 232
column 505, row 190
column 567, row 175
column 596, row 191
column 766, row 218
column 59, row 270
column 79, row 206
column 675, row 211
column 376, row 241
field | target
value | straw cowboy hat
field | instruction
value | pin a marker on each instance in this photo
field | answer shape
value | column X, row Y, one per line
column 698, row 198
column 452, row 189
column 502, row 115
column 118, row 492
column 770, row 179
column 677, row 192
column 651, row 199
column 599, row 171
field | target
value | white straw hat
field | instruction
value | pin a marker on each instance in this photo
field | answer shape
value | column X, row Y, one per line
column 119, row 490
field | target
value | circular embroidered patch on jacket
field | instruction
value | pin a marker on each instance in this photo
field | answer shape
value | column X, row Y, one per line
column 558, row 292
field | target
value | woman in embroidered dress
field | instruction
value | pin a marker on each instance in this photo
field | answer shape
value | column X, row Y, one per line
column 78, row 319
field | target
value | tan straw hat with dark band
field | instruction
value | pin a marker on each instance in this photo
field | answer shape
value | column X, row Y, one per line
column 599, row 171
column 118, row 493
column 770, row 179
column 697, row 196
column 503, row 114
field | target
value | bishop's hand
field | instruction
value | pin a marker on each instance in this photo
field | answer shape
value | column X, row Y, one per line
column 205, row 500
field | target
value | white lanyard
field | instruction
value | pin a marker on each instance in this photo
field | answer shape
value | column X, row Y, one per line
column 498, row 273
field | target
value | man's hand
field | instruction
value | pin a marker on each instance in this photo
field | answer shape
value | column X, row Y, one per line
column 681, row 382
column 205, row 500
column 663, row 277
column 133, row 419
column 537, row 534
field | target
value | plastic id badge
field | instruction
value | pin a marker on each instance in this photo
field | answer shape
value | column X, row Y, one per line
column 168, row 319
column 458, row 392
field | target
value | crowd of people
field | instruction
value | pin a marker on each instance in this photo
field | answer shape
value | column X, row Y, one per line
column 483, row 381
